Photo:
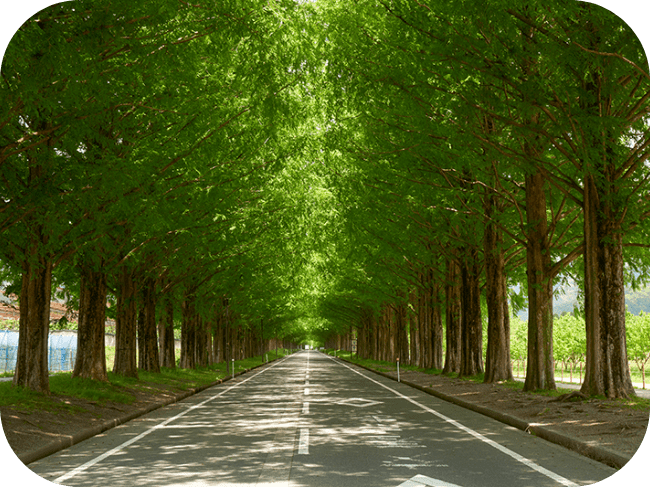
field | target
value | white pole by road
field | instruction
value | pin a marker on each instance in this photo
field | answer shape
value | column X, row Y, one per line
column 398, row 370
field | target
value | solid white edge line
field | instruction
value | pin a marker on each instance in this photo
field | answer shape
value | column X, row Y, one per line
column 501, row 448
column 98, row 459
column 303, row 445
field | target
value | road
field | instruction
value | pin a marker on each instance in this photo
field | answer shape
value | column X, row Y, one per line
column 311, row 420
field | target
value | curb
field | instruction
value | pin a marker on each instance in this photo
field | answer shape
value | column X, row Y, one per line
column 63, row 443
column 600, row 454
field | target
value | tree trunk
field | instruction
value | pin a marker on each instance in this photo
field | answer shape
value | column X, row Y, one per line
column 188, row 332
column 201, row 343
column 125, row 326
column 402, row 344
column 167, row 342
column 32, row 357
column 149, row 358
column 453, row 318
column 415, row 327
column 471, row 352
column 497, row 359
column 91, row 347
column 606, row 371
column 435, row 326
column 540, row 370
column 423, row 327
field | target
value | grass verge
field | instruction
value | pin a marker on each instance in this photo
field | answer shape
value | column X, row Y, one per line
column 120, row 389
column 382, row 366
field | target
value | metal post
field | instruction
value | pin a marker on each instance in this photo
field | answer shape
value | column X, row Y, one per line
column 398, row 380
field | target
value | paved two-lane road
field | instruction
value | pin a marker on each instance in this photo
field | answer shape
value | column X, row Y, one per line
column 310, row 420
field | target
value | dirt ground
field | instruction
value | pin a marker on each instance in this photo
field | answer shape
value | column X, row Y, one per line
column 606, row 423
column 602, row 422
column 29, row 430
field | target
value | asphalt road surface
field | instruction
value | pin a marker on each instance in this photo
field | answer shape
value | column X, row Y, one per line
column 310, row 420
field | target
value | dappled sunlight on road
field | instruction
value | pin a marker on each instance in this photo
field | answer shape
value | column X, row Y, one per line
column 300, row 425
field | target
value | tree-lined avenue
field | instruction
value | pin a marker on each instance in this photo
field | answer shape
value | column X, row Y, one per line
column 312, row 420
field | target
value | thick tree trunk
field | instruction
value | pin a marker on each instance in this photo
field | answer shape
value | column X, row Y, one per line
column 166, row 331
column 32, row 358
column 188, row 332
column 149, row 358
column 375, row 336
column 497, row 359
column 424, row 326
column 201, row 343
column 471, row 351
column 540, row 370
column 453, row 318
column 402, row 344
column 125, row 326
column 219, row 339
column 607, row 371
column 415, row 325
column 435, row 327
column 91, row 347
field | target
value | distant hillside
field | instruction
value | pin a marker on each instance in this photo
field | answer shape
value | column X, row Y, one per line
column 567, row 299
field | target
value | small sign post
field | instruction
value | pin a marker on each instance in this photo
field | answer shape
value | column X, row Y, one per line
column 398, row 380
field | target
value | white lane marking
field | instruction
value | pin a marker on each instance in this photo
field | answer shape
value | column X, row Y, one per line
column 306, row 391
column 492, row 443
column 277, row 467
column 423, row 480
column 303, row 445
column 98, row 459
column 305, row 408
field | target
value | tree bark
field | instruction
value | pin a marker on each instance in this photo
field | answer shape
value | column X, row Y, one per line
column 201, row 343
column 167, row 342
column 453, row 318
column 607, row 370
column 540, row 370
column 497, row 359
column 435, row 327
column 402, row 344
column 471, row 352
column 91, row 347
column 149, row 358
column 125, row 326
column 35, row 295
column 188, row 332
column 415, row 329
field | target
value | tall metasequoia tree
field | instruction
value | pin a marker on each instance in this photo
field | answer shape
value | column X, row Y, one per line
column 604, row 206
column 166, row 334
column 188, row 332
column 471, row 329
column 453, row 317
column 126, row 324
column 32, row 358
column 91, row 348
column 540, row 368
column 148, row 358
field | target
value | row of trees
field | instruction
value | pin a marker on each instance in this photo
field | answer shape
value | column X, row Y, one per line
column 294, row 168
column 484, row 147
column 144, row 148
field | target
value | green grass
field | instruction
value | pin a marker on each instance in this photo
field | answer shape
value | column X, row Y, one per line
column 382, row 366
column 119, row 389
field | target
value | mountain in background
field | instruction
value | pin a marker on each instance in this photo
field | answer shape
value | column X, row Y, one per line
column 567, row 299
